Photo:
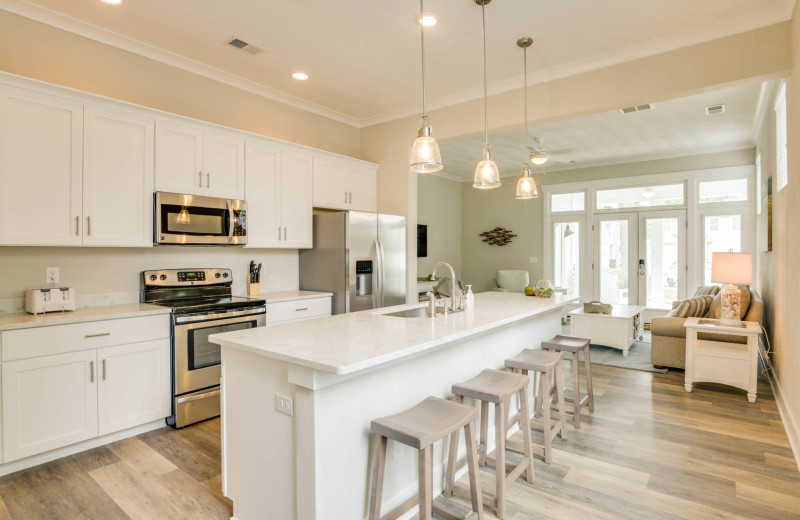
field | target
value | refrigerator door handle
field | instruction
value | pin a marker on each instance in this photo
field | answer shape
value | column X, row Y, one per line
column 381, row 273
column 376, row 283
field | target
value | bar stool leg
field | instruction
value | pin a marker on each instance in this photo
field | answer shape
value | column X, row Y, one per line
column 537, row 400
column 546, row 426
column 451, row 464
column 525, row 425
column 588, row 365
column 562, row 416
column 378, row 467
column 576, row 383
column 425, row 483
column 500, row 457
column 472, row 468
column 483, row 444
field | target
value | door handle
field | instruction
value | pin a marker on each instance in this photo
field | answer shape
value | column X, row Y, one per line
column 91, row 371
column 345, row 197
column 279, row 232
column 88, row 225
column 641, row 266
column 284, row 233
column 200, row 178
column 104, row 370
column 77, row 225
column 350, row 197
column 230, row 219
column 208, row 179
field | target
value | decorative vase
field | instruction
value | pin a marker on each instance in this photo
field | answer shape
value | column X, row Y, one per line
column 731, row 305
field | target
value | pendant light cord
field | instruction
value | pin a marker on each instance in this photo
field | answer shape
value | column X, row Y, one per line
column 485, row 89
column 525, row 97
column 422, row 39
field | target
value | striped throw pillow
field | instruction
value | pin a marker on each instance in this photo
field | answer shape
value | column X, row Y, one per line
column 707, row 290
column 692, row 308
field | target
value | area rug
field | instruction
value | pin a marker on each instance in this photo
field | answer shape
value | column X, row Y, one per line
column 638, row 357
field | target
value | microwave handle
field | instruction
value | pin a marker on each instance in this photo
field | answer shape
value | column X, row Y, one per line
column 230, row 220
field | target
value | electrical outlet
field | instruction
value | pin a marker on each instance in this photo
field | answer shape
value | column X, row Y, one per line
column 284, row 404
column 52, row 274
column 533, row 260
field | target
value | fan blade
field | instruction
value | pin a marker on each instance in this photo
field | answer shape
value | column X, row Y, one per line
column 563, row 151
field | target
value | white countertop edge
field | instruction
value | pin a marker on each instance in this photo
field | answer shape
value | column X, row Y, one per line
column 111, row 312
column 393, row 356
column 289, row 296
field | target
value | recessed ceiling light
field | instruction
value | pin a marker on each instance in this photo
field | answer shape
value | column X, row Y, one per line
column 428, row 20
column 113, row 2
column 302, row 76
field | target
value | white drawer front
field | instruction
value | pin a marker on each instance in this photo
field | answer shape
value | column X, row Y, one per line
column 59, row 339
column 298, row 310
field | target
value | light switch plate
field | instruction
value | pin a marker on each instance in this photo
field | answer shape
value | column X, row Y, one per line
column 533, row 260
column 284, row 404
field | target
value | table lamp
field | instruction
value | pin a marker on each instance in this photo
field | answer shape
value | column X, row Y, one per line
column 732, row 269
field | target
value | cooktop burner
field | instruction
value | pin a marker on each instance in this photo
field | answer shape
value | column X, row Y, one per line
column 194, row 291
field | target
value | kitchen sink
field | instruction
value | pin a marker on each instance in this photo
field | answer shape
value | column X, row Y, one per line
column 419, row 312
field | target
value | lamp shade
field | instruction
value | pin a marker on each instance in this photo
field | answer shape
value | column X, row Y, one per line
column 425, row 156
column 732, row 268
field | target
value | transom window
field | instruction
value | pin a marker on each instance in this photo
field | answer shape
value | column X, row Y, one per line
column 731, row 190
column 561, row 202
column 641, row 197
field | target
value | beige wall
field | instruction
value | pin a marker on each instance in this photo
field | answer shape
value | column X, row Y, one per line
column 42, row 52
column 485, row 210
column 779, row 275
column 439, row 207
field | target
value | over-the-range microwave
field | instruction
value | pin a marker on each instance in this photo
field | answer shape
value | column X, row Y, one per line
column 196, row 220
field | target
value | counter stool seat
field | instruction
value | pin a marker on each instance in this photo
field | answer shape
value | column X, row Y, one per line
column 419, row 427
column 495, row 387
column 575, row 345
column 545, row 365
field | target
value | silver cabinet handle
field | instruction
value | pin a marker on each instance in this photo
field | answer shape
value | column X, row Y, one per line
column 91, row 371
column 284, row 233
column 301, row 309
column 345, row 197
column 88, row 225
column 97, row 335
column 350, row 197
column 279, row 232
column 200, row 178
column 77, row 225
column 208, row 179
column 104, row 370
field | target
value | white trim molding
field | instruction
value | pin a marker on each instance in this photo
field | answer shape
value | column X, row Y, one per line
column 790, row 423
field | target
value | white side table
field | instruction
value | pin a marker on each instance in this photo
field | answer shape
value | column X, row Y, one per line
column 732, row 364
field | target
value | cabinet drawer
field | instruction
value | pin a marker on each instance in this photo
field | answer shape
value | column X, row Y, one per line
column 298, row 309
column 58, row 339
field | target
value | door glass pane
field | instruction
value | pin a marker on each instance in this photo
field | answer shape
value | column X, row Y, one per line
column 566, row 250
column 614, row 261
column 567, row 202
column 203, row 353
column 730, row 190
column 640, row 196
column 661, row 257
column 721, row 233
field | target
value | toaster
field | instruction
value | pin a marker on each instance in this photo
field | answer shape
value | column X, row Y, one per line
column 50, row 300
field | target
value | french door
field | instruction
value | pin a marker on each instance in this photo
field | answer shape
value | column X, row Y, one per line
column 640, row 258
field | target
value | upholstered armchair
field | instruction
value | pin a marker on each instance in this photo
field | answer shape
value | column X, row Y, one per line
column 511, row 281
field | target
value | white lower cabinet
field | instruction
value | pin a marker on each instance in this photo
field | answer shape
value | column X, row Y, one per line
column 48, row 402
column 296, row 310
column 65, row 384
column 133, row 385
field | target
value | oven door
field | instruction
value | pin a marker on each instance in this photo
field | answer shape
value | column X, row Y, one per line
column 191, row 219
column 197, row 360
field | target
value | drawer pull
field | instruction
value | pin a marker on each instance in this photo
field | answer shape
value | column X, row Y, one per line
column 97, row 335
column 301, row 309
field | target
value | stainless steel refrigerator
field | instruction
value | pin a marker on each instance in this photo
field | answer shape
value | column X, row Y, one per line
column 359, row 257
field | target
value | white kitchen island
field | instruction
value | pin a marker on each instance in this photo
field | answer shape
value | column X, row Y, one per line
column 341, row 372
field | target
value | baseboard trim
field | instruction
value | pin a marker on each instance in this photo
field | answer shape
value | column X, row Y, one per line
column 789, row 422
column 35, row 460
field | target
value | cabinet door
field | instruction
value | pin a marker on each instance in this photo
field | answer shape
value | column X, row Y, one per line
column 263, row 184
column 117, row 179
column 331, row 184
column 179, row 158
column 134, row 385
column 296, row 203
column 41, row 148
column 223, row 160
column 48, row 402
column 363, row 189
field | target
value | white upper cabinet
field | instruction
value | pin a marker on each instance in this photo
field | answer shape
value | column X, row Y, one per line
column 117, row 179
column 41, row 160
column 296, row 199
column 197, row 162
column 179, row 158
column 278, row 196
column 344, row 184
column 223, row 162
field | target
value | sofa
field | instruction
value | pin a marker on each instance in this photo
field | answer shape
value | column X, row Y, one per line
column 669, row 335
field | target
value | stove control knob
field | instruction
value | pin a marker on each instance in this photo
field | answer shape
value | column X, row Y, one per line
column 217, row 275
column 224, row 275
column 152, row 278
column 163, row 277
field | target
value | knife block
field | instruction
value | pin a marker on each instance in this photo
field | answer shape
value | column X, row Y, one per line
column 253, row 289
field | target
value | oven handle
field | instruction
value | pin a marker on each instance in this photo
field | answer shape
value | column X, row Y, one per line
column 230, row 220
column 196, row 397
column 253, row 311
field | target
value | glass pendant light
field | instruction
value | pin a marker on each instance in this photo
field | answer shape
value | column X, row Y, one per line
column 425, row 156
column 526, row 186
column 486, row 174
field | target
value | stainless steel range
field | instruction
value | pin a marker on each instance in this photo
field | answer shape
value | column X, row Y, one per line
column 202, row 305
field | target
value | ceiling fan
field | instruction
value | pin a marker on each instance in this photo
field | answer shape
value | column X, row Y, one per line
column 540, row 156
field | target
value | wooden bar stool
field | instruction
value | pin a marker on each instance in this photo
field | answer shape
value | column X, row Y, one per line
column 496, row 387
column 573, row 344
column 419, row 427
column 547, row 365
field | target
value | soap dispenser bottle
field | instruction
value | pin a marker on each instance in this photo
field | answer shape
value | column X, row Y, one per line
column 470, row 297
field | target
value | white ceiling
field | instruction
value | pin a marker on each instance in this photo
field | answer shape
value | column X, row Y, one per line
column 362, row 56
column 673, row 128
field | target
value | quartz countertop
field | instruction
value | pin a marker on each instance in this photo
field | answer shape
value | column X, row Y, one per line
column 23, row 320
column 289, row 296
column 348, row 343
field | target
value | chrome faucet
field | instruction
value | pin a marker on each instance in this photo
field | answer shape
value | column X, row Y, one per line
column 453, row 306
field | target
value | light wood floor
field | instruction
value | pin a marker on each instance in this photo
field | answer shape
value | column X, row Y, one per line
column 649, row 451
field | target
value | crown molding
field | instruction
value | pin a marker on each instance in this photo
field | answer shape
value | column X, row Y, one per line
column 93, row 32
column 719, row 30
